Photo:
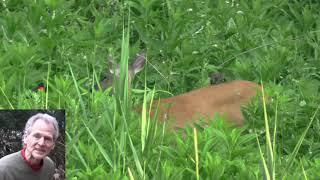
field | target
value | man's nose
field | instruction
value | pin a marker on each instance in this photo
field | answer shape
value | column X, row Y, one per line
column 41, row 141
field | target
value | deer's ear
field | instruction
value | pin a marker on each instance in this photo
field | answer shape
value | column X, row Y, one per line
column 111, row 64
column 216, row 78
column 139, row 62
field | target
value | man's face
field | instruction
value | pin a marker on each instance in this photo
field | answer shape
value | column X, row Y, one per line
column 40, row 141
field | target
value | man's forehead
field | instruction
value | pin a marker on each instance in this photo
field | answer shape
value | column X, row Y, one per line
column 41, row 126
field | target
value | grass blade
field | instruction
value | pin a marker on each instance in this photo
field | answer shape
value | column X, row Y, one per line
column 265, row 167
column 297, row 147
column 196, row 152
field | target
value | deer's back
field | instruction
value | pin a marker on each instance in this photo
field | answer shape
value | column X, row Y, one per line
column 225, row 99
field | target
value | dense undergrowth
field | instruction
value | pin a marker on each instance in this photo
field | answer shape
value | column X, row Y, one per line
column 65, row 45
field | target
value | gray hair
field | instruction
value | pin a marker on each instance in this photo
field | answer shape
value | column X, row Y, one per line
column 45, row 117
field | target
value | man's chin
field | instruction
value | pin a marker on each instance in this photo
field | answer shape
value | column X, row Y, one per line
column 39, row 155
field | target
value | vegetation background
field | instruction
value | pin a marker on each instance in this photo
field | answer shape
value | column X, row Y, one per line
column 65, row 45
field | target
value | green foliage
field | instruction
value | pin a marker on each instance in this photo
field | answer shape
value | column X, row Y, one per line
column 65, row 44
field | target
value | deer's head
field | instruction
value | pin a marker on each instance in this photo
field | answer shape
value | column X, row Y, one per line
column 114, row 71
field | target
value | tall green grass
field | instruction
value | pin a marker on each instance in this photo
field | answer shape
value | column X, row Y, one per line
column 65, row 45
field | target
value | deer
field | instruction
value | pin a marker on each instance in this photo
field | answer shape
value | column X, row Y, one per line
column 225, row 99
